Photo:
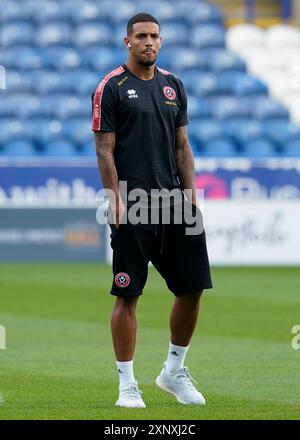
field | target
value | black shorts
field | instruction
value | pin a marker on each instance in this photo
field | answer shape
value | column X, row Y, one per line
column 181, row 259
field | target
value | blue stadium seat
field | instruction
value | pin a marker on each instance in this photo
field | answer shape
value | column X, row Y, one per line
column 60, row 147
column 198, row 107
column 24, row 57
column 19, row 81
column 263, row 108
column 7, row 109
column 17, row 33
column 78, row 131
column 44, row 130
column 83, row 11
column 82, row 82
column 90, row 34
column 61, row 58
column 242, row 84
column 62, row 106
column 54, row 34
column 102, row 59
column 19, row 147
column 259, row 148
column 206, row 84
column 200, row 12
column 224, row 60
column 181, row 59
column 120, row 12
column 228, row 108
column 172, row 33
column 293, row 149
column 207, row 36
column 244, row 130
column 219, row 148
column 88, row 149
column 46, row 82
column 11, row 129
column 204, row 131
column 11, row 11
column 281, row 133
column 26, row 106
column 51, row 11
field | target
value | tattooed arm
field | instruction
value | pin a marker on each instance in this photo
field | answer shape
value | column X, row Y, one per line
column 185, row 164
column 105, row 146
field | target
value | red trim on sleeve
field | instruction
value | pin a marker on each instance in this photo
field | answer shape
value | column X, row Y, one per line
column 99, row 94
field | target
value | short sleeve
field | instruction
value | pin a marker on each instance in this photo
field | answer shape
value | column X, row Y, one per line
column 182, row 116
column 103, row 108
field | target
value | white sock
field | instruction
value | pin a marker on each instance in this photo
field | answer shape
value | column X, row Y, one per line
column 176, row 357
column 125, row 372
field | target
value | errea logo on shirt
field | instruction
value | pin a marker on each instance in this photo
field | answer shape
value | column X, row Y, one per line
column 132, row 94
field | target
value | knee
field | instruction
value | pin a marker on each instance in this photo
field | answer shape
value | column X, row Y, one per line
column 125, row 305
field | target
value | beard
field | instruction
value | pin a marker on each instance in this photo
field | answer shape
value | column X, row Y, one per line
column 146, row 63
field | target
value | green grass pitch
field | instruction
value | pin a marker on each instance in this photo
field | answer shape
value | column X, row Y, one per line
column 59, row 362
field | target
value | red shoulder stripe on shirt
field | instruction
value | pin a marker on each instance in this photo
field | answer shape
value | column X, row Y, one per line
column 164, row 72
column 99, row 94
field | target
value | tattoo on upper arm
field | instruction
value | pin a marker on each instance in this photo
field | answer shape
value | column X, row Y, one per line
column 105, row 144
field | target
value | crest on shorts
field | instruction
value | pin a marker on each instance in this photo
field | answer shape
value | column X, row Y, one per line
column 122, row 279
column 169, row 93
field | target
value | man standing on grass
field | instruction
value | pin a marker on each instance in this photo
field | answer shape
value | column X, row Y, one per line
column 139, row 119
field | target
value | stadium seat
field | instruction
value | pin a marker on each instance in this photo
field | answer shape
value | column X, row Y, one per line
column 207, row 36
column 229, row 108
column 60, row 147
column 19, row 147
column 17, row 33
column 293, row 149
column 51, row 11
column 82, row 82
column 259, row 148
column 78, row 131
column 90, row 34
column 223, row 60
column 61, row 58
column 19, row 81
column 263, row 108
column 241, row 131
column 54, row 34
column 282, row 36
column 244, row 36
column 198, row 12
column 24, row 58
column 88, row 149
column 25, row 106
column 281, row 133
column 279, row 84
column 181, row 59
column 120, row 12
column 198, row 107
column 11, row 10
column 101, row 59
column 219, row 148
column 204, row 131
column 242, row 84
column 44, row 130
column 47, row 82
column 172, row 33
column 11, row 129
column 62, row 106
column 205, row 84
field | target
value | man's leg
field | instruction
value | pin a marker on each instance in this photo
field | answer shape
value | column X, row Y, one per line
column 174, row 378
column 123, row 329
column 183, row 318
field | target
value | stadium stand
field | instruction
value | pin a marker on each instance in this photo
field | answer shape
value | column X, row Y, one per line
column 241, row 98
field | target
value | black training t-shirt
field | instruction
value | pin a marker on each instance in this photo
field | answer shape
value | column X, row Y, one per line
column 144, row 115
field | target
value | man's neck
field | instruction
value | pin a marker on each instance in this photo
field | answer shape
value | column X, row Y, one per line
column 143, row 72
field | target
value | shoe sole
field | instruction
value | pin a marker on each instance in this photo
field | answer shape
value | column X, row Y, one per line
column 127, row 406
column 162, row 386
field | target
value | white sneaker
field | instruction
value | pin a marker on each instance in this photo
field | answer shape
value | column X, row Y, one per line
column 180, row 385
column 130, row 396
